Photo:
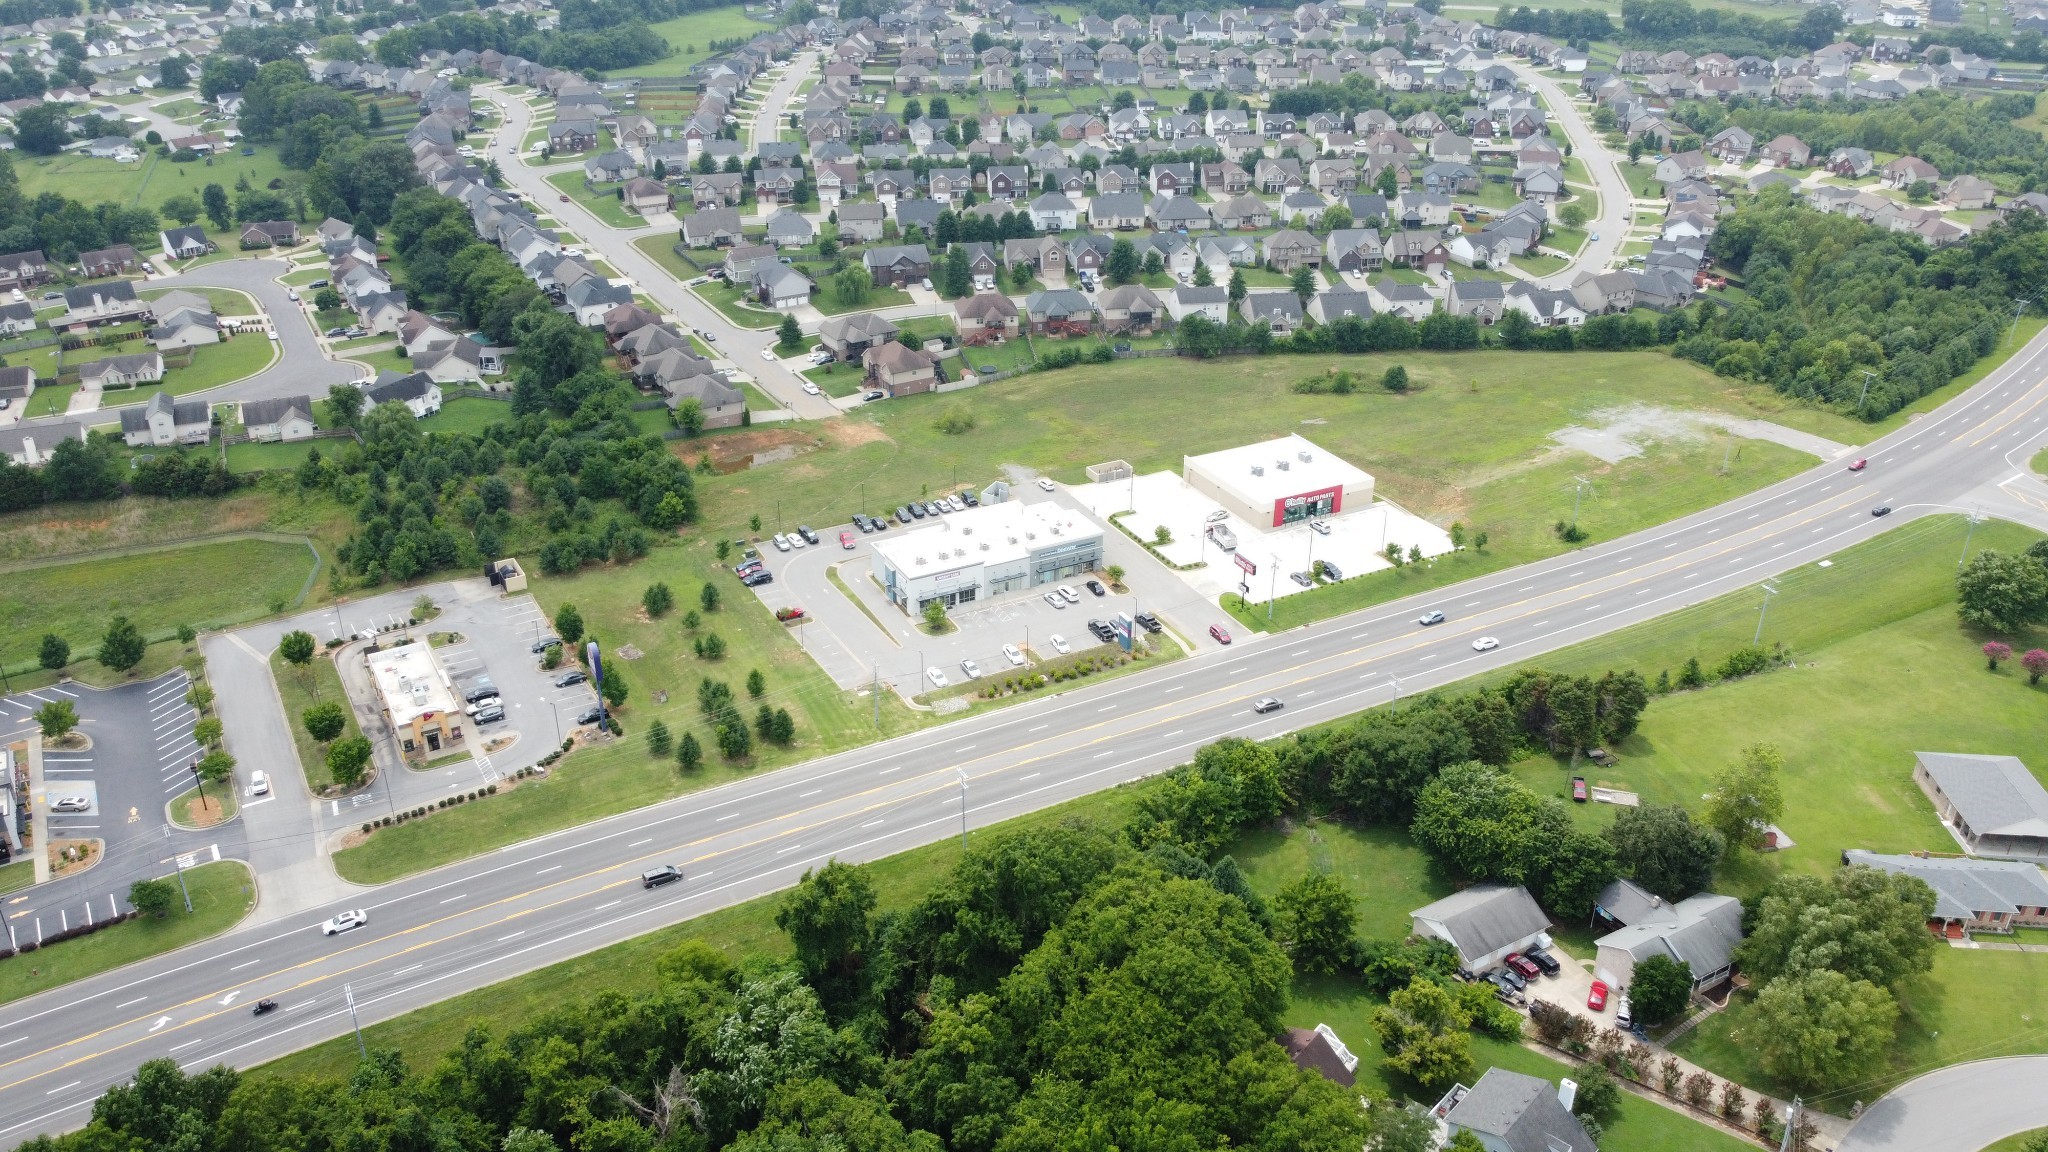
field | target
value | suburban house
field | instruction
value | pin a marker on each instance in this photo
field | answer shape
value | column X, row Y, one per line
column 861, row 223
column 1484, row 923
column 184, row 328
column 712, row 228
column 23, row 269
column 1333, row 304
column 1991, row 804
column 895, row 265
column 185, row 243
column 1971, row 895
column 899, row 370
column 128, row 371
column 416, row 390
column 17, row 317
column 1130, row 308
column 723, row 405
column 1275, row 308
column 645, row 197
column 1701, row 930
column 1514, row 1112
column 790, row 229
column 1059, row 312
column 848, row 337
column 777, row 285
column 270, row 234
column 96, row 304
column 115, row 261
column 1289, row 249
column 1319, row 1050
column 30, row 445
column 286, row 418
column 1211, row 303
column 451, row 361
column 1408, row 301
column 983, row 315
column 1353, row 249
column 165, row 422
column 1485, row 299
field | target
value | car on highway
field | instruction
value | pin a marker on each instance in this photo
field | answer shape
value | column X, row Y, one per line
column 571, row 678
column 1858, row 465
column 1430, row 617
column 1068, row 594
column 1011, row 654
column 1059, row 644
column 937, row 677
column 1881, row 510
column 345, row 922
column 1485, row 644
column 1522, row 965
column 1596, row 996
column 811, row 390
column 781, row 542
column 543, row 644
column 590, row 715
column 846, row 541
column 259, row 783
column 1045, row 483
column 70, row 804
column 656, row 877
column 1054, row 600
column 1265, row 704
column 972, row 669
column 1579, row 789
column 1218, row 634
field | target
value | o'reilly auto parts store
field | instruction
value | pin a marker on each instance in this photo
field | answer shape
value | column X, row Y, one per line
column 985, row 552
column 1278, row 482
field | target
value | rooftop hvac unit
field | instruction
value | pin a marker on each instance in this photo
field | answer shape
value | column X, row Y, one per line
column 1013, row 539
column 959, row 552
column 1305, row 457
column 920, row 560
column 1280, row 464
column 984, row 545
column 1031, row 535
column 1258, row 471
column 967, row 531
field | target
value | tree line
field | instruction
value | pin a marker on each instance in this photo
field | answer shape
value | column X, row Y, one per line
column 1954, row 132
column 584, row 49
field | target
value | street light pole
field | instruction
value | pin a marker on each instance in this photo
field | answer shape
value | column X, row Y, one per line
column 1272, row 585
column 963, row 808
column 1974, row 520
column 1769, row 591
column 348, row 993
column 178, row 863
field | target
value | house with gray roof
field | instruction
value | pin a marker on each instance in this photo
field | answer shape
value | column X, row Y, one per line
column 1991, row 804
column 1971, row 895
column 1484, row 923
column 165, row 422
column 1514, row 1112
column 285, row 418
column 416, row 390
column 1701, row 931
column 30, row 445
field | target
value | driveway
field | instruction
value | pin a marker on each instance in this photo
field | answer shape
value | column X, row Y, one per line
column 1961, row 1108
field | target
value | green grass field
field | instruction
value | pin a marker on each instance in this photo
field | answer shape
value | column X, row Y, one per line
column 2018, row 1141
column 255, row 457
column 150, row 181
column 221, row 896
column 470, row 414
column 156, row 590
column 689, row 39
column 212, row 366
column 601, row 201
column 298, row 690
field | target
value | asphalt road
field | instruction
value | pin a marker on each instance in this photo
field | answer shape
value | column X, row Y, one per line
column 472, row 923
column 1961, row 1108
column 1611, row 223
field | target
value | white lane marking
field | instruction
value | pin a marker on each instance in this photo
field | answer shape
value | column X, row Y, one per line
column 958, row 751
column 454, row 898
column 811, row 793
column 410, row 968
column 245, row 964
column 871, row 824
column 613, row 904
column 186, row 1044
column 513, row 936
column 1033, row 776
column 1107, row 708
column 64, row 1088
column 131, row 1003
column 1100, row 755
column 1040, row 728
column 637, row 843
column 794, row 847
column 548, row 869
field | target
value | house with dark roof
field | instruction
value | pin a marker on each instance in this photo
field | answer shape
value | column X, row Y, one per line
column 165, row 422
column 185, row 243
column 1484, row 923
column 1992, row 805
column 30, row 445
column 285, row 418
column 847, row 337
column 416, row 390
column 900, row 370
column 23, row 270
column 95, row 304
column 17, row 317
column 269, row 234
column 118, row 260
column 128, row 371
column 1701, row 931
column 1514, row 1112
column 1970, row 895
column 1319, row 1050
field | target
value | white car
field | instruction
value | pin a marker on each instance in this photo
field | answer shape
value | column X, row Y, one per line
column 1321, row 527
column 972, row 669
column 937, row 677
column 795, row 540
column 346, row 921
column 811, row 390
column 1045, row 483
column 1059, row 644
column 1055, row 601
column 767, row 355
column 1068, row 594
column 781, row 542
column 1011, row 654
column 259, row 784
column 1485, row 644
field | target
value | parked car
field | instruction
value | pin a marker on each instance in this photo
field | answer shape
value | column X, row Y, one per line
column 917, row 509
column 805, row 531
column 1522, row 966
column 933, row 510
column 572, row 677
column 70, row 804
column 345, row 922
column 1331, row 572
column 756, row 579
column 490, row 714
column 903, row 514
column 1430, row 617
column 1011, row 654
column 1217, row 633
column 656, row 877
column 1579, row 789
column 970, row 499
column 1055, row 601
column 1321, row 527
column 1623, row 1018
column 259, row 783
column 846, row 541
column 541, row 645
column 781, row 542
column 1148, row 622
column 873, row 396
column 937, row 677
column 1512, row 979
column 796, row 539
column 590, row 715
column 1265, row 704
column 1059, row 644
column 317, row 284
column 1302, row 578
column 972, row 669
column 1218, row 516
column 1045, row 483
column 1068, row 594
column 1596, row 997
column 1545, row 961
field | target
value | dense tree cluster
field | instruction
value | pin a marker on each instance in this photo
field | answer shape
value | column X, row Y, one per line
column 1358, row 93
column 1830, row 297
column 1669, row 24
column 1573, row 26
column 1483, row 824
column 592, row 36
column 1954, row 132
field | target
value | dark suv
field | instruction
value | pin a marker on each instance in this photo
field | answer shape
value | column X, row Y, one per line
column 656, row 877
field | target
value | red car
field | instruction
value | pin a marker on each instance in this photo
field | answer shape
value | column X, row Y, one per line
column 1523, row 965
column 1859, row 465
column 846, row 541
column 1597, row 998
column 1217, row 633
column 1579, row 789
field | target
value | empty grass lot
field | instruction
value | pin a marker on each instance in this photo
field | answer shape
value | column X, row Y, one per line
column 689, row 39
column 471, row 414
column 255, row 457
column 220, row 898
column 150, row 181
column 201, row 585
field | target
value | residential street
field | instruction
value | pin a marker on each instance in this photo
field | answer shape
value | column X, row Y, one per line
column 1961, row 1108
column 1610, row 225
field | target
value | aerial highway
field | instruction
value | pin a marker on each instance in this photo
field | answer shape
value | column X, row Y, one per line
column 472, row 923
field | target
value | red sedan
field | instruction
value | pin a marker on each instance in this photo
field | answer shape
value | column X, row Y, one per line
column 1859, row 465
column 1217, row 633
column 1579, row 789
column 1597, row 998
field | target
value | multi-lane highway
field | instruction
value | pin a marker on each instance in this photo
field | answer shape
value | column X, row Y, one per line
column 473, row 923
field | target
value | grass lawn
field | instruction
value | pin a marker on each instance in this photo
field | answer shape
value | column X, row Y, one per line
column 150, row 181
column 689, row 39
column 17, row 875
column 393, row 358
column 661, row 249
column 299, row 690
column 2018, row 1141
column 601, row 201
column 727, row 301
column 260, row 457
column 836, row 379
column 306, row 276
column 470, row 414
column 828, row 302
column 212, row 366
column 225, row 301
column 1642, row 180
column 156, row 590
column 187, row 812
column 221, row 896
column 50, row 399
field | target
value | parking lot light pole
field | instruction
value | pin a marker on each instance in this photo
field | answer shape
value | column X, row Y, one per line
column 178, row 863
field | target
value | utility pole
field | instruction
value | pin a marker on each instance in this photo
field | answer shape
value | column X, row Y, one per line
column 349, row 994
column 1975, row 519
column 963, row 808
column 876, row 692
column 1579, row 486
column 2019, row 308
column 1791, row 1124
column 1272, row 584
column 1868, row 375
column 1769, row 591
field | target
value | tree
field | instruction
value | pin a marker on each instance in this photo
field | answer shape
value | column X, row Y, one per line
column 1821, row 1029
column 215, row 767
column 689, row 753
column 614, row 687
column 1659, row 988
column 325, row 721
column 215, row 198
column 1317, row 918
column 1861, row 922
column 1995, row 653
column 1659, row 847
column 1599, row 1096
column 181, row 208
column 1998, row 592
column 297, row 649
column 850, row 288
column 153, row 898
column 657, row 600
column 56, row 719
column 1204, row 278
column 569, row 625
column 55, row 652
column 1237, row 288
column 659, row 743
column 934, row 615
column 327, row 299
column 207, row 733
column 826, row 919
column 344, row 405
column 174, row 72
column 708, row 596
column 1122, row 265
column 1154, row 266
column 1422, row 1030
column 1572, row 215
column 757, row 684
column 347, row 760
column 690, row 415
column 789, row 335
column 957, row 278
column 40, row 130
column 1303, row 282
column 2035, row 661
column 1746, row 799
column 122, row 646
column 1395, row 379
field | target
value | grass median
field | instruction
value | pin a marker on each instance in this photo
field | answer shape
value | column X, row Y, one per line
column 221, row 896
column 299, row 689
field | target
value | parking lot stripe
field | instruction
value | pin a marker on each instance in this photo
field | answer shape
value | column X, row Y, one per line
column 61, row 692
column 167, row 724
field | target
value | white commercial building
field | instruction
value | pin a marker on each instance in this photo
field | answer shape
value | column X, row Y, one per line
column 418, row 697
column 984, row 552
column 1278, row 482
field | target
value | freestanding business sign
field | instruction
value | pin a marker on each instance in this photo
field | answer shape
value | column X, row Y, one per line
column 1250, row 568
column 597, row 679
column 1122, row 629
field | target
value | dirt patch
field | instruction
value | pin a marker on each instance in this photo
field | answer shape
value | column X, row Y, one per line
column 739, row 451
column 1617, row 434
column 628, row 651
column 68, row 857
column 848, row 432
column 203, row 813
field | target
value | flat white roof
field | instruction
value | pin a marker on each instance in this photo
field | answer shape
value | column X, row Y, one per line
column 991, row 534
column 1288, row 466
column 411, row 680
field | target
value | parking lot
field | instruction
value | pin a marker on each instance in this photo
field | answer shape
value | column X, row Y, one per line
column 141, row 756
column 857, row 636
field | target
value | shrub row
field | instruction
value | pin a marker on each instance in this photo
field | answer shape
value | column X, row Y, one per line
column 1032, row 681
column 76, row 930
column 428, row 809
